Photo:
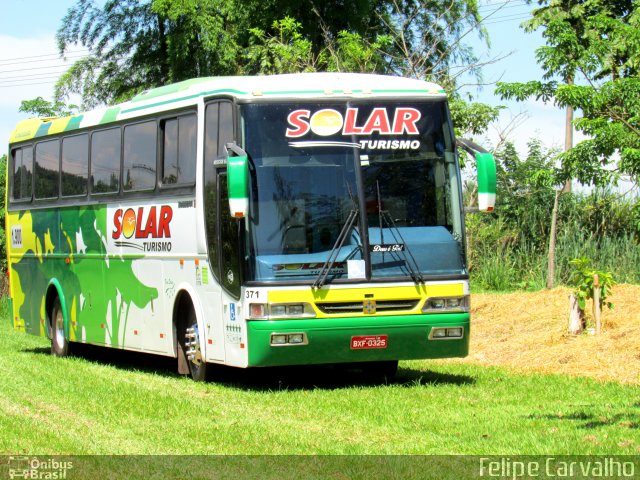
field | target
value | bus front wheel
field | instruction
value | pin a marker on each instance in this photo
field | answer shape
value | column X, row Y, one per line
column 59, row 341
column 191, row 346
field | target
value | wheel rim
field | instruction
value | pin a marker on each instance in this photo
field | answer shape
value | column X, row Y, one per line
column 58, row 333
column 197, row 360
column 192, row 345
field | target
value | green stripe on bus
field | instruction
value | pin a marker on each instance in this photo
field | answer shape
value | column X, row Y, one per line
column 43, row 129
column 110, row 115
column 180, row 99
column 74, row 123
column 158, row 104
column 169, row 89
column 402, row 91
column 322, row 92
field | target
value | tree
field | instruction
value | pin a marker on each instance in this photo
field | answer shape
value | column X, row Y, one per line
column 595, row 39
column 43, row 108
column 471, row 118
column 606, row 56
column 428, row 38
column 564, row 29
column 288, row 50
column 137, row 44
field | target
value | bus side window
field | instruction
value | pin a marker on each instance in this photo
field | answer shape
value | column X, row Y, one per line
column 75, row 165
column 22, row 185
column 179, row 151
column 226, row 128
column 139, row 157
column 105, row 161
column 47, row 169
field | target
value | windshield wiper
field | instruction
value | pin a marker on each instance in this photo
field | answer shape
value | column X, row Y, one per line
column 339, row 243
column 385, row 217
column 335, row 251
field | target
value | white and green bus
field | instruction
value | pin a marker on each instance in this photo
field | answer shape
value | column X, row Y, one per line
column 247, row 221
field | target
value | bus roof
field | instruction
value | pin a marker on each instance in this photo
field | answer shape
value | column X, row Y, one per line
column 183, row 94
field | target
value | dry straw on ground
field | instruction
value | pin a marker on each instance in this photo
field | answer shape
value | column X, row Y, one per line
column 528, row 331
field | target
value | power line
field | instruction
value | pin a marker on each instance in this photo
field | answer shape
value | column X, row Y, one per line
column 29, row 69
column 42, row 56
column 501, row 3
column 502, row 6
column 44, row 60
column 35, row 75
column 19, row 82
column 510, row 18
column 500, row 9
column 28, row 84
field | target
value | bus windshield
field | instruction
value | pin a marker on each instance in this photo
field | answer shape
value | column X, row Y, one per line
column 367, row 190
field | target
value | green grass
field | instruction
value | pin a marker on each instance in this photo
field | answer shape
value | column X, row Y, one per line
column 106, row 402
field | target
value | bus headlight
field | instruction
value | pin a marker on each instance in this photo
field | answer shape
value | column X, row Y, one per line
column 446, row 333
column 265, row 311
column 279, row 339
column 446, row 304
column 285, row 339
column 278, row 310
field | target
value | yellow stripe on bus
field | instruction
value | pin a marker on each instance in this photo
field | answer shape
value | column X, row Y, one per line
column 25, row 130
column 337, row 295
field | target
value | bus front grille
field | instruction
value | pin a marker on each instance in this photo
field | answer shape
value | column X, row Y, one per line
column 335, row 308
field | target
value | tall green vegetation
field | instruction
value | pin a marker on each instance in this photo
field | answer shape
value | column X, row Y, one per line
column 590, row 64
column 508, row 247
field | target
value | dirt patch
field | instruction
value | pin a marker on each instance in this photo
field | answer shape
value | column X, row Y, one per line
column 528, row 331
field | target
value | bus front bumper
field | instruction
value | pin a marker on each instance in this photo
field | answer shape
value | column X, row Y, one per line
column 357, row 339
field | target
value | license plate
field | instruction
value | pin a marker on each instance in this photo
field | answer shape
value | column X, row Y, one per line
column 362, row 342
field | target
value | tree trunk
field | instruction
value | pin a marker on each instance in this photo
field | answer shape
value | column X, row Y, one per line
column 568, row 144
column 596, row 303
column 576, row 316
column 551, row 257
column 568, row 138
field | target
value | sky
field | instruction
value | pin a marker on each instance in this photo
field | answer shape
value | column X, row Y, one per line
column 30, row 65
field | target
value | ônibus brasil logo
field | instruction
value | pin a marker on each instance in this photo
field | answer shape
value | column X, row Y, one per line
column 145, row 223
column 401, row 121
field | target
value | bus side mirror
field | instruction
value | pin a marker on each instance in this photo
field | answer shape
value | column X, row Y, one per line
column 486, row 167
column 238, row 180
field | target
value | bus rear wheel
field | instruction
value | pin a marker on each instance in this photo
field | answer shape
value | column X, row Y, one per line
column 191, row 347
column 59, row 341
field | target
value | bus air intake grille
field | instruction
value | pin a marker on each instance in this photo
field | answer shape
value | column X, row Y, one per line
column 336, row 308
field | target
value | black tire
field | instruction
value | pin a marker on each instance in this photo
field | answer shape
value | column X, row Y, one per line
column 59, row 342
column 197, row 367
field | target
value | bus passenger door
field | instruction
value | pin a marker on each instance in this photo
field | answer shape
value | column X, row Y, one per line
column 222, row 236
